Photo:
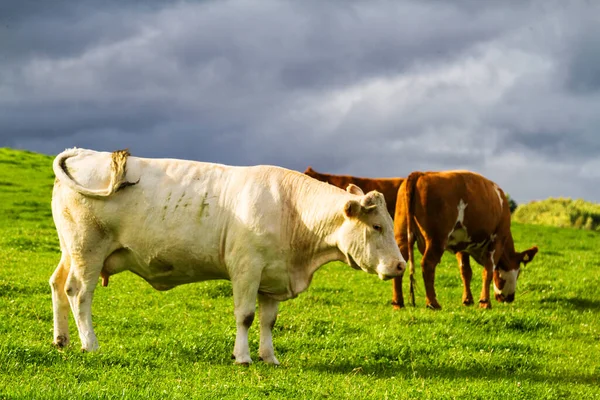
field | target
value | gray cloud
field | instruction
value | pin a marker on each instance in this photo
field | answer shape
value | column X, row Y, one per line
column 377, row 88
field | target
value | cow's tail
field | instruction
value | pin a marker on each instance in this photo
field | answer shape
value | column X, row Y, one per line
column 117, row 173
column 411, row 183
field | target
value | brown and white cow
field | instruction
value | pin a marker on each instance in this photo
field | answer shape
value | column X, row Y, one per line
column 264, row 228
column 464, row 213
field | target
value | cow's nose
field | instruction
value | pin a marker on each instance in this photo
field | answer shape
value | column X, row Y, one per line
column 401, row 266
column 510, row 298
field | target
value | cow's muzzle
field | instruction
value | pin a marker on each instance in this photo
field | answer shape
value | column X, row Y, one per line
column 391, row 271
column 509, row 298
column 401, row 267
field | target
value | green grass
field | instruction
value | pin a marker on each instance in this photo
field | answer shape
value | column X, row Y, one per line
column 340, row 339
column 560, row 212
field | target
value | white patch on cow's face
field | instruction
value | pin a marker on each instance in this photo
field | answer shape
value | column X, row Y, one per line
column 510, row 283
column 368, row 241
column 499, row 195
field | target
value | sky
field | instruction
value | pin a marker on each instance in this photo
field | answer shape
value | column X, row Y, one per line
column 509, row 89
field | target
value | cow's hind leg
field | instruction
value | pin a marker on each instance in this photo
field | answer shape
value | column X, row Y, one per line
column 60, row 302
column 268, row 316
column 466, row 273
column 245, row 291
column 80, row 285
column 431, row 258
column 397, row 294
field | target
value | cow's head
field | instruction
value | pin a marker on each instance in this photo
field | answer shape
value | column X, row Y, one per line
column 366, row 236
column 507, row 272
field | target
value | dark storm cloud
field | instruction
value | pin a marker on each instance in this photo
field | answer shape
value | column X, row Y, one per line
column 237, row 58
column 379, row 88
column 63, row 28
column 582, row 62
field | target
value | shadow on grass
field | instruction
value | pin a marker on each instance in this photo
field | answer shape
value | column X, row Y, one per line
column 11, row 289
column 576, row 303
column 15, row 358
column 449, row 372
column 553, row 253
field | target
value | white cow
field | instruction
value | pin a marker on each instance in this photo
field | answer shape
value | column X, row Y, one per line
column 265, row 228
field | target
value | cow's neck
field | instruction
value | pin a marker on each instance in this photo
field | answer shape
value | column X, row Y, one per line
column 509, row 252
column 315, row 236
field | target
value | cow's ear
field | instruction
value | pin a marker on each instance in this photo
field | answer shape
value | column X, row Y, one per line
column 371, row 200
column 352, row 209
column 352, row 188
column 528, row 255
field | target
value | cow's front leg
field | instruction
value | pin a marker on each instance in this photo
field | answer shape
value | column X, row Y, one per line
column 488, row 272
column 245, row 291
column 268, row 316
column 484, row 299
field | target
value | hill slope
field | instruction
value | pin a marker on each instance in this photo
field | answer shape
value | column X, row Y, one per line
column 561, row 213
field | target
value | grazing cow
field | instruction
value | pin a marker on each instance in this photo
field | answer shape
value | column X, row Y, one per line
column 466, row 214
column 265, row 228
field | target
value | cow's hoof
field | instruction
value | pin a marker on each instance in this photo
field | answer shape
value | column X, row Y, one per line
column 243, row 363
column 243, row 360
column 397, row 306
column 61, row 342
column 269, row 360
column 90, row 347
column 468, row 302
column 434, row 306
column 485, row 304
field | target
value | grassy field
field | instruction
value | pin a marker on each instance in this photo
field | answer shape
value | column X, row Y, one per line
column 340, row 339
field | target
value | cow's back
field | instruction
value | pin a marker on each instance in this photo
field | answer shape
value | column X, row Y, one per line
column 443, row 200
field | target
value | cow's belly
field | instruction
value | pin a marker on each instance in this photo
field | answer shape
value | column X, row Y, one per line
column 166, row 269
column 477, row 247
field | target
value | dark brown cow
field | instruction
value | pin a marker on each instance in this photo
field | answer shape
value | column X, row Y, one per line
column 466, row 214
column 387, row 186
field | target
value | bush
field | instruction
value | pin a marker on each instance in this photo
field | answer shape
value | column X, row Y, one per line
column 512, row 205
column 560, row 212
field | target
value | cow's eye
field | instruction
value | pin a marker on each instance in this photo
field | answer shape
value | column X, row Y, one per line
column 377, row 228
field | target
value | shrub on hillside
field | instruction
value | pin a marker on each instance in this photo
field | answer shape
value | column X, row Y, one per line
column 560, row 212
column 512, row 205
